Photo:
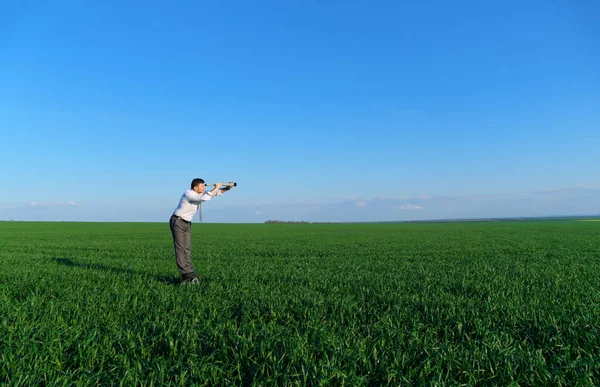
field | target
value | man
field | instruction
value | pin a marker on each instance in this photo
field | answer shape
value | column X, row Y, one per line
column 181, row 225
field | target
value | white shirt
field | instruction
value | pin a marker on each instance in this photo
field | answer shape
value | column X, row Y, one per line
column 190, row 201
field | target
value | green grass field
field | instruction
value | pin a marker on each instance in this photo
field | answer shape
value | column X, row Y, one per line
column 355, row 304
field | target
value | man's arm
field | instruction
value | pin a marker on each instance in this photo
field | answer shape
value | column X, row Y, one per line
column 216, row 189
column 196, row 198
column 221, row 191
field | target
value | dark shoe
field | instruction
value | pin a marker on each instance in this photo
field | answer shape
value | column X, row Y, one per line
column 190, row 276
column 193, row 281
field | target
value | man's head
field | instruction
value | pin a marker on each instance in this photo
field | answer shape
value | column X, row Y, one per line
column 198, row 185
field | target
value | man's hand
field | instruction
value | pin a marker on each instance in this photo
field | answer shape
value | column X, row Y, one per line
column 216, row 189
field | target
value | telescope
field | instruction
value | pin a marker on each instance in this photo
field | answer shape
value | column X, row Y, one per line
column 230, row 184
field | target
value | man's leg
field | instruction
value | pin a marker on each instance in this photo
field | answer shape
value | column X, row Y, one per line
column 182, row 239
column 187, row 257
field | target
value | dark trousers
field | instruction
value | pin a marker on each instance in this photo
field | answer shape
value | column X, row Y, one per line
column 182, row 239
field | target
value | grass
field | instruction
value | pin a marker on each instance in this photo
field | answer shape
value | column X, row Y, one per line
column 344, row 304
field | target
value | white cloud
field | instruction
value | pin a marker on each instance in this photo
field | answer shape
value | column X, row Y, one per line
column 53, row 204
column 258, row 212
column 402, row 198
column 361, row 204
column 410, row 207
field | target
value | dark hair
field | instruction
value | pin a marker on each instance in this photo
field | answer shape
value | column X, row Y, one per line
column 196, row 181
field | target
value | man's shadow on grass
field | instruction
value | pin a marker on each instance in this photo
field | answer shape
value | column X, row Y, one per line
column 172, row 280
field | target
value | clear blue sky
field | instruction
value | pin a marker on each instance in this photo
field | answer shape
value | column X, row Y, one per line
column 321, row 111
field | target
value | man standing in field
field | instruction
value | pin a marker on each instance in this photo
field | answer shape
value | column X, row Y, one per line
column 181, row 225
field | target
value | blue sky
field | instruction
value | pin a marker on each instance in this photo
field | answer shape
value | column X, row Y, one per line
column 320, row 110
